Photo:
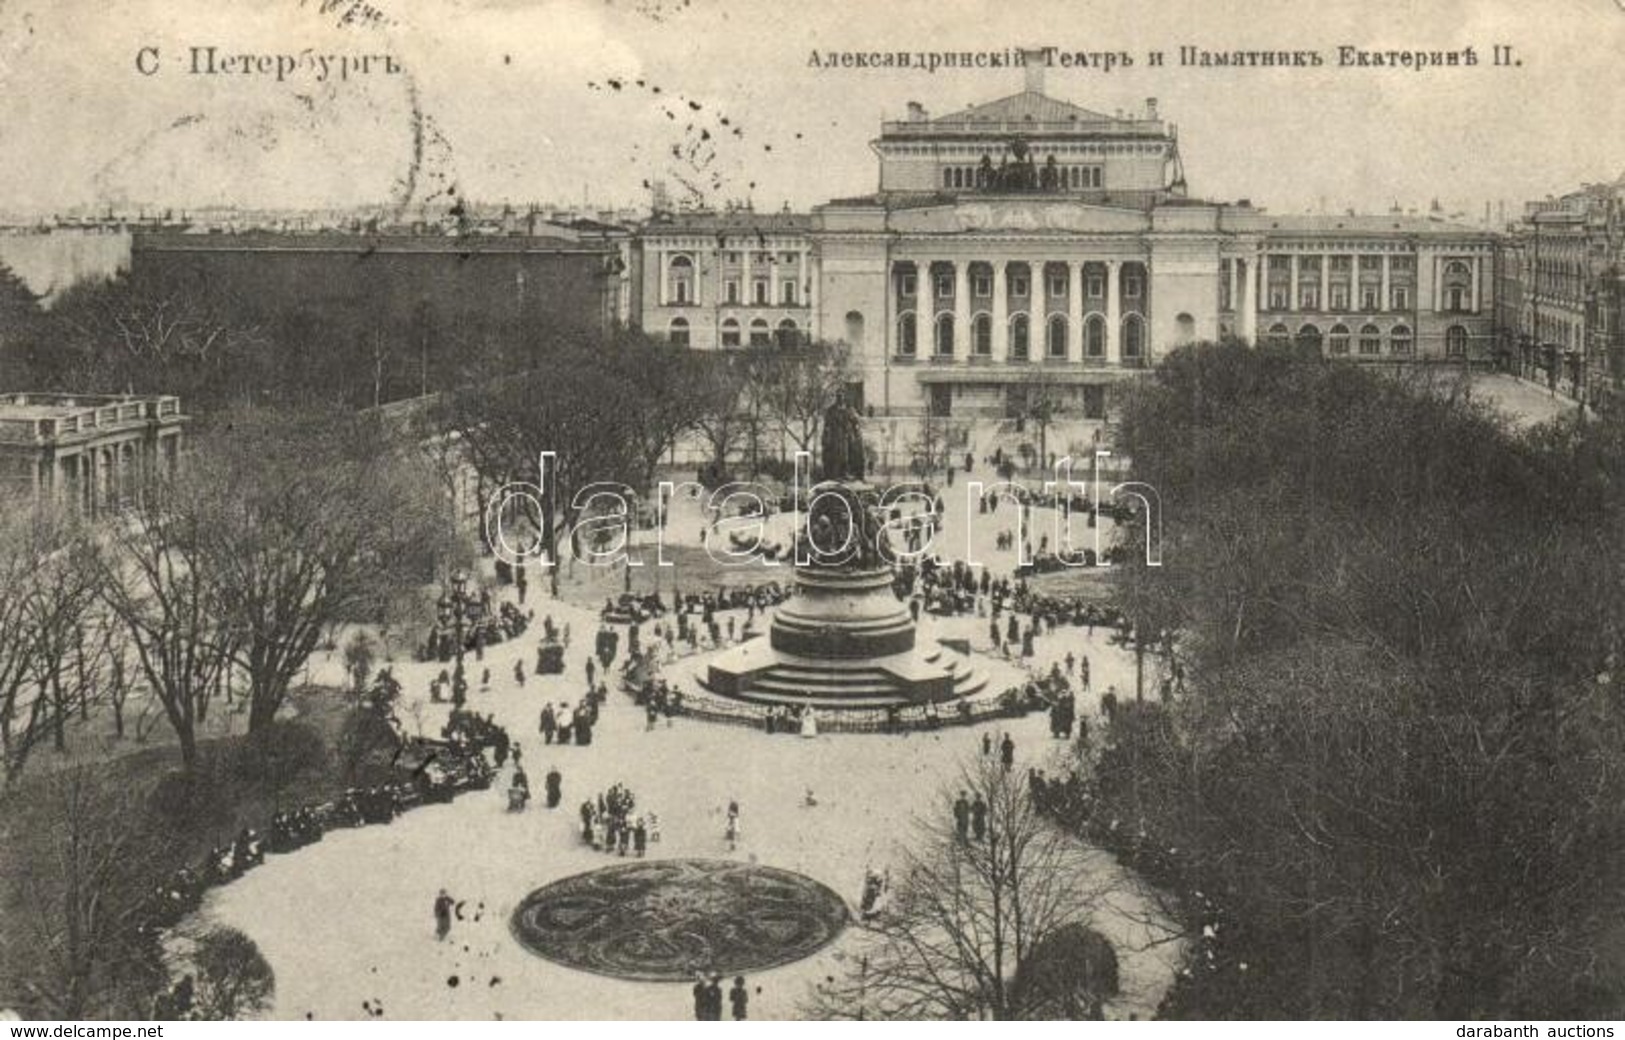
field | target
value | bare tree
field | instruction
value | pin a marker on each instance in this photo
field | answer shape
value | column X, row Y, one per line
column 307, row 520
column 798, row 386
column 81, row 900
column 158, row 589
column 966, row 914
column 48, row 563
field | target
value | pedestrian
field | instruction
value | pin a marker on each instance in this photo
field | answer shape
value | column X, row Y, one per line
column 962, row 816
column 442, row 915
column 713, row 999
column 549, row 723
column 554, row 783
column 701, row 1004
column 731, row 829
column 987, row 743
column 1007, row 752
column 640, row 837
column 978, row 817
column 739, row 997
column 519, row 673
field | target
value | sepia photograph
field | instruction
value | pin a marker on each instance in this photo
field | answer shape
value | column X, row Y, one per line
column 722, row 510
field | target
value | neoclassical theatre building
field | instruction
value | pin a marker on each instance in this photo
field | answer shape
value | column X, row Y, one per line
column 1029, row 242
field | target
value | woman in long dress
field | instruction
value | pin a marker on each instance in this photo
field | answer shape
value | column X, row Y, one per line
column 809, row 722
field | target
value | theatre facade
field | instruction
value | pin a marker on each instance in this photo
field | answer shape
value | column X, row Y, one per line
column 1032, row 246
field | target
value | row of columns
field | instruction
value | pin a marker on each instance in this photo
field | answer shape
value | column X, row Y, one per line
column 1038, row 313
column 103, row 475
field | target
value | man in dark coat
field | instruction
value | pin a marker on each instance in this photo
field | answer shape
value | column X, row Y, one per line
column 962, row 816
column 739, row 997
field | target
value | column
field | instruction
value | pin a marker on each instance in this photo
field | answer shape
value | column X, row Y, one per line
column 1387, row 301
column 810, row 283
column 925, row 309
column 1233, row 279
column 660, row 275
column 1473, row 299
column 1114, row 317
column 773, row 279
column 1251, row 284
column 1292, row 302
column 962, row 337
column 1074, row 311
column 1325, row 281
column 746, row 289
column 1001, row 312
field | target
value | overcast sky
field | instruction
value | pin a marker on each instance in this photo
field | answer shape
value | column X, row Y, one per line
column 515, row 102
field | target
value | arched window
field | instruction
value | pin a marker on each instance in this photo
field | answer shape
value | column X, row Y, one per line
column 1279, row 335
column 1457, row 287
column 1308, row 339
column 945, row 335
column 1133, row 337
column 759, row 335
column 1055, row 337
column 1094, row 336
column 1337, row 340
column 948, row 176
column 788, row 335
column 678, row 332
column 1399, row 340
column 1020, row 337
column 730, row 332
column 982, row 335
column 1370, row 340
column 908, row 342
column 1455, row 342
column 1185, row 325
column 680, row 278
column 854, row 329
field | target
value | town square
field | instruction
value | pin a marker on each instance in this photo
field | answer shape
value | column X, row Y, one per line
column 565, row 511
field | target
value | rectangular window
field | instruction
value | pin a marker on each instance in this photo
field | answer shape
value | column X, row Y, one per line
column 731, row 257
column 680, row 292
column 760, row 292
column 730, row 290
column 1370, row 298
column 1097, row 286
column 1341, row 263
column 982, row 285
column 1401, row 298
column 909, row 285
column 787, row 291
column 1308, row 297
column 1057, row 285
column 1340, row 297
column 945, row 286
column 1131, row 286
column 1277, row 297
column 1018, row 285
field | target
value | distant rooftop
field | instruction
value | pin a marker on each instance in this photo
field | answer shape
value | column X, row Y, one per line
column 41, row 417
column 1029, row 112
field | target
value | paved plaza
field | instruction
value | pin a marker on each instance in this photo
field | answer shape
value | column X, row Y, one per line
column 346, row 923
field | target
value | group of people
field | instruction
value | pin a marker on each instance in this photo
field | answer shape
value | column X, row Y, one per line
column 611, row 825
column 519, row 788
column 970, row 817
column 708, row 998
column 565, row 724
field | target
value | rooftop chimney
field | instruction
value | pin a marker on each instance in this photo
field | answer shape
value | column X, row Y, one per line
column 916, row 112
column 1033, row 63
column 1151, row 108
